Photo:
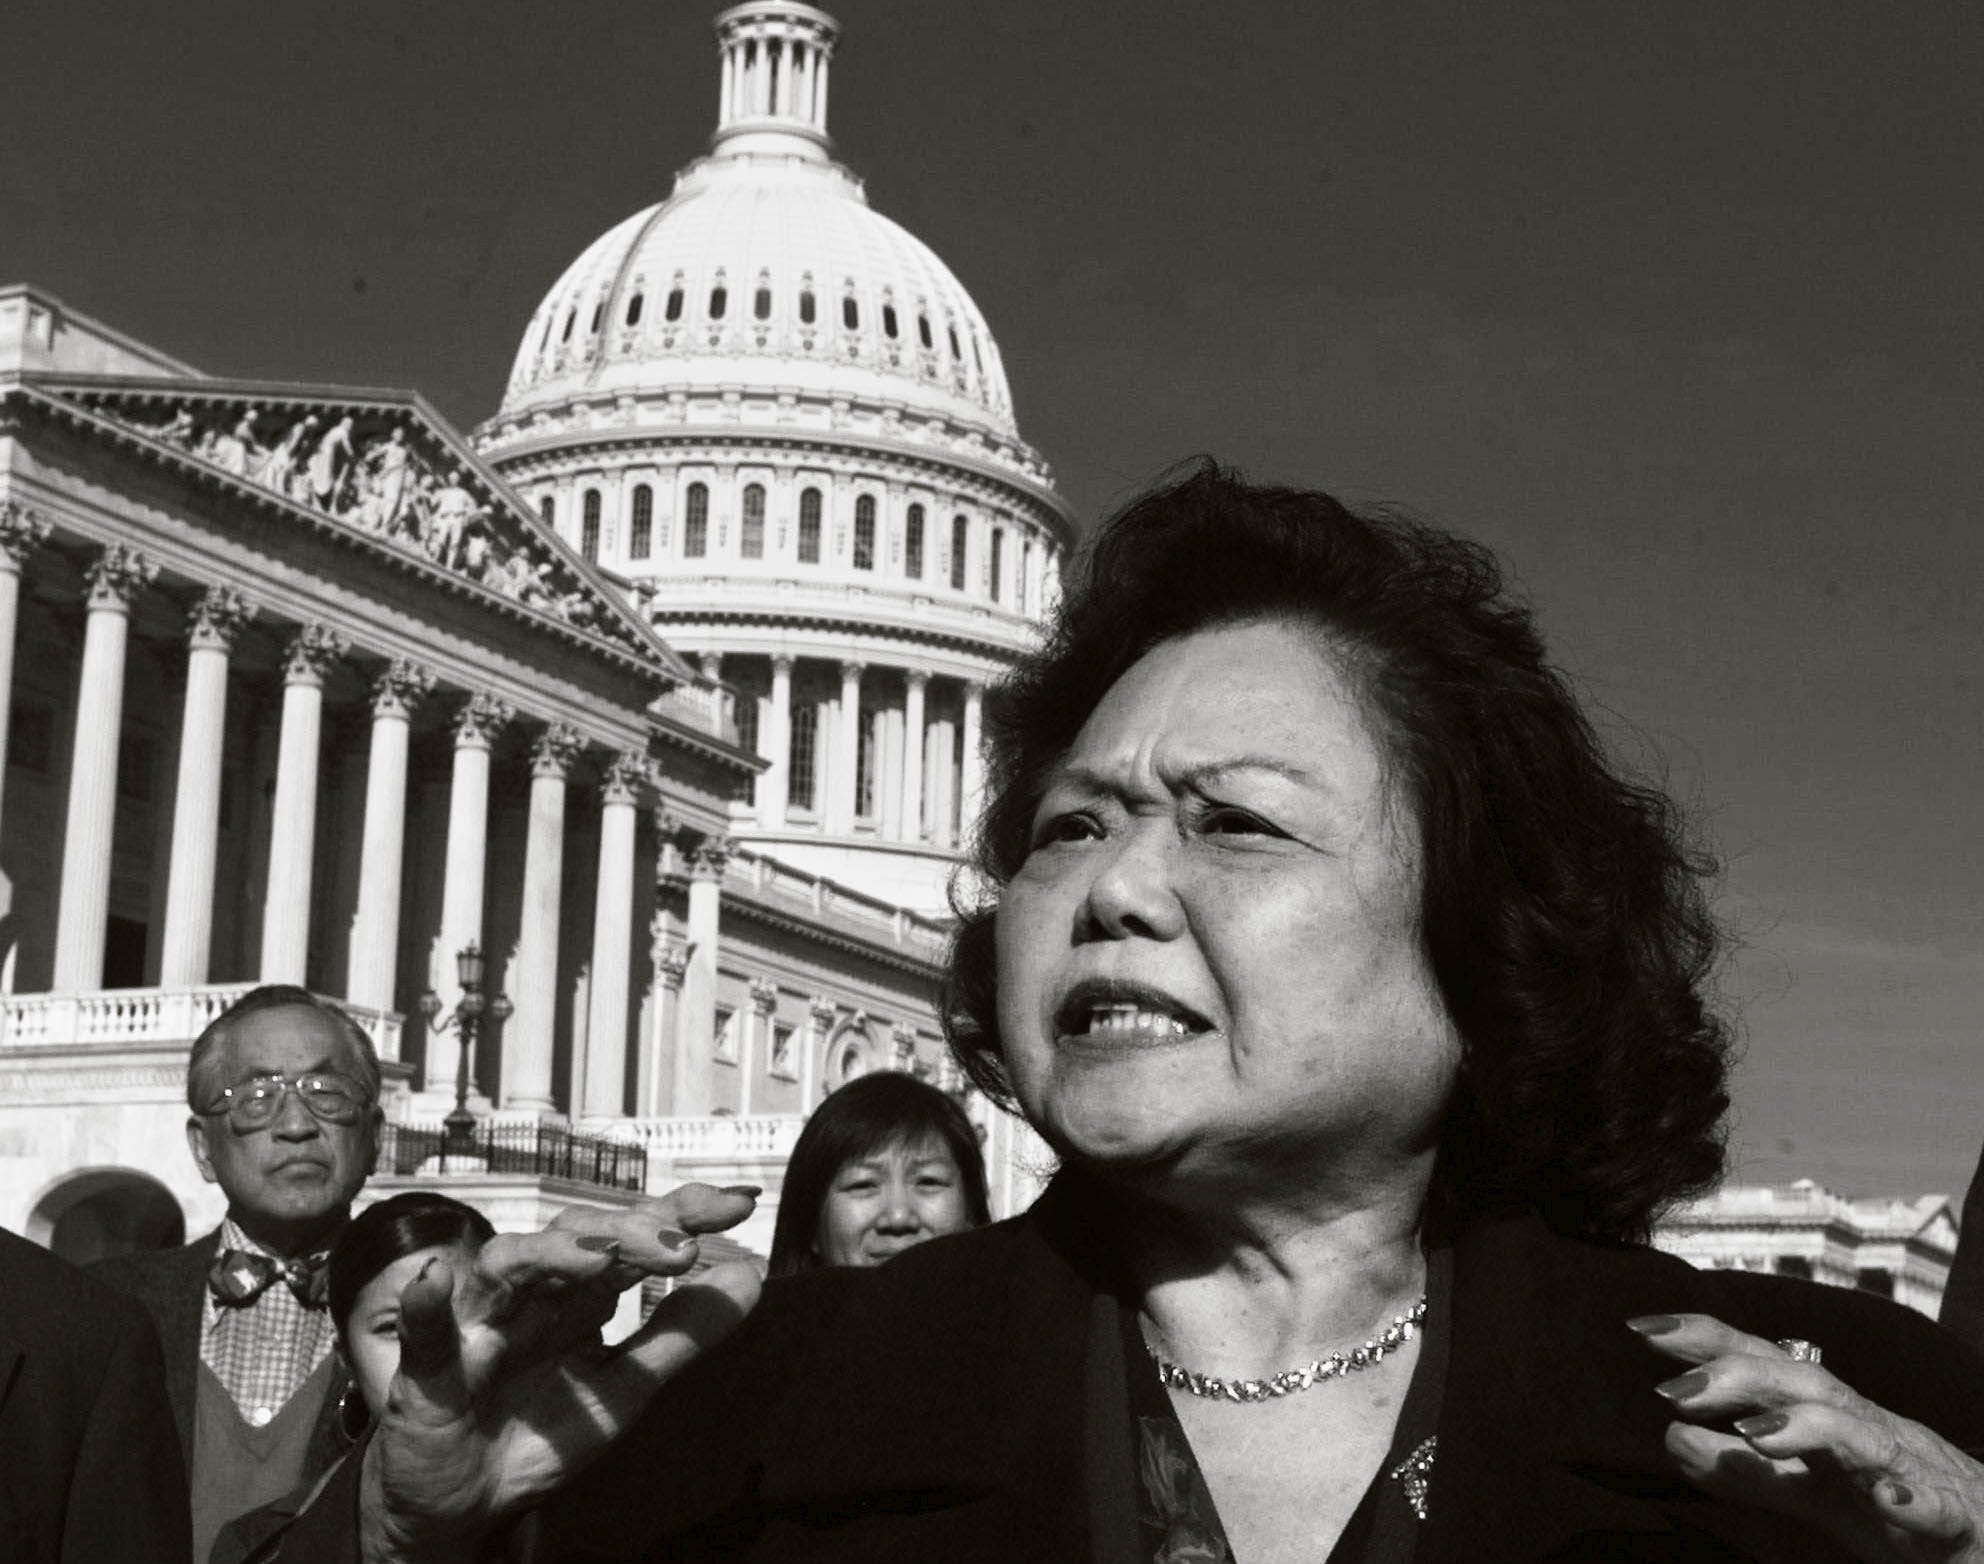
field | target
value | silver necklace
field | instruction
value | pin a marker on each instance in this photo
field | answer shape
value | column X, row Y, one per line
column 1335, row 1366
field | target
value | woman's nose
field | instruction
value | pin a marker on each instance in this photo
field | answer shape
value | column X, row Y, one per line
column 899, row 1214
column 1132, row 895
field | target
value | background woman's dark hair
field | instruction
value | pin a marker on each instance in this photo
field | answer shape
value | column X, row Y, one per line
column 869, row 1113
column 1564, row 911
column 392, row 1230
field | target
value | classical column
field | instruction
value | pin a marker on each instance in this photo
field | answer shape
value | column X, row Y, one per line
column 603, row 1072
column 293, row 827
column 528, row 1035
column 756, row 1048
column 971, row 787
column 847, row 750
column 82, row 919
column 915, row 681
column 212, row 628
column 711, row 664
column 819, row 1027
column 22, row 531
column 372, row 968
column 695, row 1048
column 670, row 956
column 477, row 724
column 775, row 744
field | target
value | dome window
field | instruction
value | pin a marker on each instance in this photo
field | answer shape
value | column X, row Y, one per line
column 956, row 351
column 960, row 543
column 864, row 532
column 751, row 538
column 977, row 357
column 996, row 561
column 912, row 544
column 923, row 332
column 850, row 313
column 598, row 315
column 696, row 522
column 809, row 527
column 761, row 306
column 589, row 527
column 889, row 321
column 640, row 533
column 719, row 301
column 808, row 307
column 571, row 319
column 674, row 309
column 634, row 310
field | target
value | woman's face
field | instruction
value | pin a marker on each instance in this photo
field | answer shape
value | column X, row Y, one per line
column 372, row 1332
column 896, row 1196
column 1210, row 964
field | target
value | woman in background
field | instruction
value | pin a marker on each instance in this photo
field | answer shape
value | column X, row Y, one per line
column 885, row 1162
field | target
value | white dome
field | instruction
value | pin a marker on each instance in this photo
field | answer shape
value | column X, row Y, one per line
column 765, row 269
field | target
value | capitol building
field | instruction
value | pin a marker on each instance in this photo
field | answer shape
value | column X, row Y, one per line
column 660, row 690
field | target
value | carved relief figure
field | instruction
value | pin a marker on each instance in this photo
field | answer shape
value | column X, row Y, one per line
column 278, row 463
column 329, row 464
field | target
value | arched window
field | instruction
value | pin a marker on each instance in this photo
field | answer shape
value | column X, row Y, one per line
column 1026, row 577
column 634, row 310
column 805, row 740
column 761, row 306
column 640, row 532
column 960, row 538
column 674, row 309
column 696, row 521
column 864, row 532
column 571, row 319
column 889, row 321
column 912, row 544
column 956, row 351
column 807, row 307
column 547, row 510
column 589, row 526
column 809, row 527
column 995, row 561
column 751, row 538
column 598, row 315
column 923, row 331
column 719, row 298
column 850, row 313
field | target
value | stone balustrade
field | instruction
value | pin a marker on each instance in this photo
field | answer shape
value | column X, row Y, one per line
column 149, row 1015
column 719, row 1136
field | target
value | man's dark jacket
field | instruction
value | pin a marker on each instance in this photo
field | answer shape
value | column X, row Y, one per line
column 934, row 1410
column 172, row 1285
column 89, row 1470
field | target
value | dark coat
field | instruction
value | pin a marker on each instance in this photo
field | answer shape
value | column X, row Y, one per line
column 933, row 1409
column 172, row 1285
column 89, row 1470
column 1963, row 1297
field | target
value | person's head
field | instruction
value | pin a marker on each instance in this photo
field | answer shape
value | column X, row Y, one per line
column 885, row 1162
column 379, row 1252
column 1303, row 859
column 284, row 1089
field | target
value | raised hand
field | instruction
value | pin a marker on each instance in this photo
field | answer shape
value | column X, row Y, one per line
column 1882, row 1486
column 503, row 1389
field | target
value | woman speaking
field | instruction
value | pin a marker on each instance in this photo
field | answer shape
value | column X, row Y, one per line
column 1362, row 998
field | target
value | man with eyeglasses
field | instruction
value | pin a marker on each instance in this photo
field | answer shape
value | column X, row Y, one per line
column 284, row 1092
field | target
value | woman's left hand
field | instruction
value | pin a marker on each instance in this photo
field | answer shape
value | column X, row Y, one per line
column 1884, row 1487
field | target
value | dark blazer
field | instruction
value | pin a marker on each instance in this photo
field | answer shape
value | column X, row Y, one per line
column 89, row 1470
column 172, row 1285
column 933, row 1409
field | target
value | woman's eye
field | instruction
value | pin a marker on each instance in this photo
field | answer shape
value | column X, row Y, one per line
column 1066, row 828
column 389, row 1326
column 1227, row 821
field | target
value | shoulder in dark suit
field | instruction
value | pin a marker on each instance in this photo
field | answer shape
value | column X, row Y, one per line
column 90, row 1471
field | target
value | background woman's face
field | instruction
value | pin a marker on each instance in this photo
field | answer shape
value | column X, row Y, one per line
column 896, row 1196
column 372, row 1331
column 1210, row 962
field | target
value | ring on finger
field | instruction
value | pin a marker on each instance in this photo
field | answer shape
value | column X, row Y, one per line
column 1800, row 1350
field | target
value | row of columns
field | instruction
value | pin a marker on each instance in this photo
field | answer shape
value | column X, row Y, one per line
column 115, row 578
column 840, row 804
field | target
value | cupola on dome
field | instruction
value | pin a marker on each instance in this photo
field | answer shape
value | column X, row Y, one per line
column 765, row 269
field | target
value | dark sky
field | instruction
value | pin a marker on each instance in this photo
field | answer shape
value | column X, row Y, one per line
column 1675, row 305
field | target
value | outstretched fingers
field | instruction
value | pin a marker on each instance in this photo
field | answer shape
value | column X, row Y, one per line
column 431, row 1382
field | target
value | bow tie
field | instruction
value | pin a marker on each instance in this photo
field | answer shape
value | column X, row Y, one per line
column 237, row 1277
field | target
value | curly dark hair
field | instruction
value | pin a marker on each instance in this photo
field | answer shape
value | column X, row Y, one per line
column 1564, row 906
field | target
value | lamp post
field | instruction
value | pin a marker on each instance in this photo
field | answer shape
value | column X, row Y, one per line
column 459, row 1141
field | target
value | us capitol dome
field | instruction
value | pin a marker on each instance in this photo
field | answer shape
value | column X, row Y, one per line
column 780, row 419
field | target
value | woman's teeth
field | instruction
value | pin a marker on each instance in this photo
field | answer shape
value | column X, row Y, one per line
column 1114, row 1020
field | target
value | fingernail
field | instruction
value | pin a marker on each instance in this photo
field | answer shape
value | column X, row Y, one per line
column 1900, row 1493
column 1760, row 1425
column 748, row 1191
column 421, row 1274
column 598, row 1243
column 673, row 1238
column 1682, row 1386
column 1655, row 1324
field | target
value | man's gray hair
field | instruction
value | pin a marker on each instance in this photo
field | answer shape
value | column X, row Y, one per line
column 200, row 1093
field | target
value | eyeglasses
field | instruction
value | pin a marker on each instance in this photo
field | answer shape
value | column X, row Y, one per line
column 254, row 1103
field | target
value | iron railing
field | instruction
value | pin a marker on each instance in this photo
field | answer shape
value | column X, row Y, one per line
column 541, row 1150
